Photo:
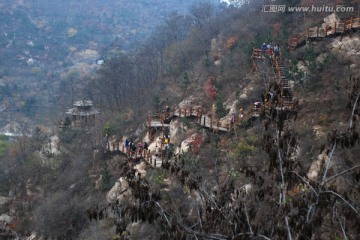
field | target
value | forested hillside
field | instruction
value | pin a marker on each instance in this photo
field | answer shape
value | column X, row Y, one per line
column 223, row 123
column 54, row 48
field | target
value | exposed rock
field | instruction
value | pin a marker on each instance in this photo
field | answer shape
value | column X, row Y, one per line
column 349, row 46
column 4, row 200
column 115, row 192
column 315, row 167
column 177, row 133
column 5, row 218
column 224, row 122
column 154, row 147
column 291, row 83
column 141, row 168
column 190, row 101
column 330, row 20
column 195, row 141
column 71, row 32
column 87, row 55
column 243, row 96
column 321, row 58
column 142, row 230
column 98, row 182
column 302, row 67
column 11, row 128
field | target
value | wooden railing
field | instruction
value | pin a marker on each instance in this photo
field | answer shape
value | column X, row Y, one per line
column 321, row 32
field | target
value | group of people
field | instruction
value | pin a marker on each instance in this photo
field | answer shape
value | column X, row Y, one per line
column 269, row 49
column 132, row 148
column 233, row 117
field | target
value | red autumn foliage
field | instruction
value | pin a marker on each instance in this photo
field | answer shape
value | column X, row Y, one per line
column 196, row 143
column 210, row 89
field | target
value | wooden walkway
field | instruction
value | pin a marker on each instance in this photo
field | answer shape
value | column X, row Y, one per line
column 154, row 159
column 339, row 28
column 163, row 119
column 286, row 94
column 157, row 157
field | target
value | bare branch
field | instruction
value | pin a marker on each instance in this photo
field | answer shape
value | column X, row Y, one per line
column 343, row 172
column 282, row 196
column 353, row 111
column 328, row 165
column 338, row 195
column 189, row 230
column 247, row 220
column 163, row 212
column 304, row 180
column 288, row 228
column 310, row 211
column 342, row 225
column 198, row 211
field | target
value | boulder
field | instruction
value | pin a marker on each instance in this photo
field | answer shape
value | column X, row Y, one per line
column 4, row 200
column 141, row 168
column 142, row 230
column 87, row 55
column 330, row 20
column 224, row 122
column 177, row 133
column 5, row 218
column 115, row 192
column 195, row 141
column 154, row 147
column 349, row 46
column 187, row 102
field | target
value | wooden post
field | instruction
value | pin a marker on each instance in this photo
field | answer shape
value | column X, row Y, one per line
column 351, row 23
column 317, row 32
column 326, row 28
column 334, row 27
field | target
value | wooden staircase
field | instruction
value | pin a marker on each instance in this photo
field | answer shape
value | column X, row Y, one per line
column 286, row 94
column 277, row 62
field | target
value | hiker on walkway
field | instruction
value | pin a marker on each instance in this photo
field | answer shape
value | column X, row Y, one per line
column 269, row 49
column 276, row 50
column 133, row 149
column 166, row 139
column 263, row 48
column 257, row 106
column 146, row 146
column 232, row 118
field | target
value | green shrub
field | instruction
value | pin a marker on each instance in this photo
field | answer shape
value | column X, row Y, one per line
column 3, row 144
column 220, row 109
